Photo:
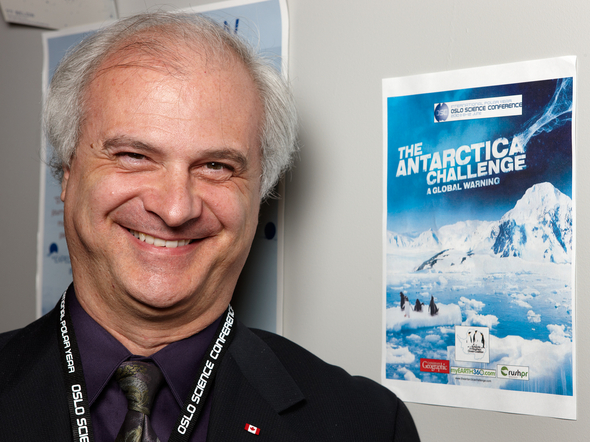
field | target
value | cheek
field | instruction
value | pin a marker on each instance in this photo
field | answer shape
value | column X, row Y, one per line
column 238, row 212
column 97, row 197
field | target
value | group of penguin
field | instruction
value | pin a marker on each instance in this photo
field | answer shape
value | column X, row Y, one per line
column 406, row 307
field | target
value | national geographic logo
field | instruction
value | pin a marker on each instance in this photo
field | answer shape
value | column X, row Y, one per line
column 434, row 365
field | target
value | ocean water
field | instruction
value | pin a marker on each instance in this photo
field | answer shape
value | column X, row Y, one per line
column 527, row 307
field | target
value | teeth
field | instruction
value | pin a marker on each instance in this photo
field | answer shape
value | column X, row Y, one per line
column 159, row 242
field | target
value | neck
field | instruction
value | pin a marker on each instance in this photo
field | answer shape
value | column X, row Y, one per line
column 146, row 330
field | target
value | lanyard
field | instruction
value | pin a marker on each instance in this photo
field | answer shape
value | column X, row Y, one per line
column 81, row 423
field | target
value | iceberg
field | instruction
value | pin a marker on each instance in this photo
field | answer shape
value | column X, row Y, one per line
column 447, row 315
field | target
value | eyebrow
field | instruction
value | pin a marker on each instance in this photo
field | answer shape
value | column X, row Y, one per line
column 116, row 142
column 227, row 153
column 222, row 153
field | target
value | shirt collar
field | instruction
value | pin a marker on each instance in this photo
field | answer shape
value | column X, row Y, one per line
column 102, row 354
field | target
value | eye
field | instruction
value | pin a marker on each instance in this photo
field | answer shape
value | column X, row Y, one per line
column 216, row 171
column 127, row 159
column 215, row 166
column 131, row 155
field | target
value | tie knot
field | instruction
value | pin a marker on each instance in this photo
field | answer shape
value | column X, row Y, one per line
column 140, row 381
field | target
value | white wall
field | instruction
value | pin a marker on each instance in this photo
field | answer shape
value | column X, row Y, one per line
column 339, row 53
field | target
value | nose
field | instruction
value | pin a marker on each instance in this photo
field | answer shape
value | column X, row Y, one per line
column 174, row 198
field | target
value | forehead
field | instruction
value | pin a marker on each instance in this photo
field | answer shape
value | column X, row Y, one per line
column 192, row 87
column 170, row 50
column 188, row 62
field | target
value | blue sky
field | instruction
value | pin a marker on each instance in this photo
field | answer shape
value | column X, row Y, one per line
column 411, row 120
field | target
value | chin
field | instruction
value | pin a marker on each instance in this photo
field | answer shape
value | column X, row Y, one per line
column 157, row 294
column 162, row 299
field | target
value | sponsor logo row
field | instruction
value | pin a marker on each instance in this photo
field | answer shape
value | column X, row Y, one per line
column 502, row 371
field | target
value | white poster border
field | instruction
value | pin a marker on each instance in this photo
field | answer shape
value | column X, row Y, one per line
column 530, row 403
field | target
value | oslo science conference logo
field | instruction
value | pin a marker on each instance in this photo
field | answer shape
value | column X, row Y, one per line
column 441, row 112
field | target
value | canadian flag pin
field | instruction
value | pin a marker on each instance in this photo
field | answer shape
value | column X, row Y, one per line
column 252, row 429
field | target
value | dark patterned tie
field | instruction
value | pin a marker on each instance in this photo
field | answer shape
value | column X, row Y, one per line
column 140, row 382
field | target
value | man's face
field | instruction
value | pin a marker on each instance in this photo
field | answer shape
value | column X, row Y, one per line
column 162, row 195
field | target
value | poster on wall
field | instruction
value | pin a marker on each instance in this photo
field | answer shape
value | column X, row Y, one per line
column 265, row 25
column 479, row 238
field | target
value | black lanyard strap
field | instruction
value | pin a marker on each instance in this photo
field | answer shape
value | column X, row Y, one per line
column 195, row 402
column 81, row 423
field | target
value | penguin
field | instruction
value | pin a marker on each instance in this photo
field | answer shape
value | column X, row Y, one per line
column 418, row 306
column 432, row 308
column 404, row 304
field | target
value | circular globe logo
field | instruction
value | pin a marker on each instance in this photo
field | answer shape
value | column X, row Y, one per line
column 504, row 371
column 441, row 112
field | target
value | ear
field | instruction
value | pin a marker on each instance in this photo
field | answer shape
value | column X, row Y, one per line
column 64, row 182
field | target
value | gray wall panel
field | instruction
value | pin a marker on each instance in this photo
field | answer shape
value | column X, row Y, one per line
column 340, row 51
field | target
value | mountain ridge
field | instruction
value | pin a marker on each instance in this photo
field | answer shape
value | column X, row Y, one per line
column 538, row 228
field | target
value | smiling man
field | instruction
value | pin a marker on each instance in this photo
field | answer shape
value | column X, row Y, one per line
column 168, row 132
column 161, row 197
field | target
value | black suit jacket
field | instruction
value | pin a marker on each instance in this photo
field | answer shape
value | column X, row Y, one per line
column 264, row 380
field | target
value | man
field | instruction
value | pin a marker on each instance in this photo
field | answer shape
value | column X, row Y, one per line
column 168, row 132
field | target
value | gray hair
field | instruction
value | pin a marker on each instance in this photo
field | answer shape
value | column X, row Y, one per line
column 155, row 34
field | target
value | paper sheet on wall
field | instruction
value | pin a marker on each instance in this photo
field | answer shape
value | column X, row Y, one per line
column 57, row 14
column 479, row 238
column 265, row 25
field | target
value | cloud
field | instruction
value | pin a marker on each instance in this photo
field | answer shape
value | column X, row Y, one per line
column 522, row 296
column 549, row 363
column 521, row 299
column 399, row 355
column 558, row 335
column 529, row 291
column 480, row 320
column 546, row 360
column 409, row 376
column 533, row 317
column 446, row 330
column 471, row 304
column 432, row 338
column 521, row 303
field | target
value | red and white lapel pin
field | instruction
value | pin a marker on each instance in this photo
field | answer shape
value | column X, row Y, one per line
column 252, row 429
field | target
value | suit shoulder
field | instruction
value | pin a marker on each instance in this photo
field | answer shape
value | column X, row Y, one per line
column 26, row 334
column 19, row 349
column 302, row 364
column 295, row 357
column 6, row 337
column 332, row 388
column 32, row 384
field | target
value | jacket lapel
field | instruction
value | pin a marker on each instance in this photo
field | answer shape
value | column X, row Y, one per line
column 252, row 388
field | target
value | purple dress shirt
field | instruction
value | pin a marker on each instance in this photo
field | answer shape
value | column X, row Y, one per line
column 102, row 354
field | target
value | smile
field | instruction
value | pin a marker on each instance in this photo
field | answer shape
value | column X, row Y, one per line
column 159, row 242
